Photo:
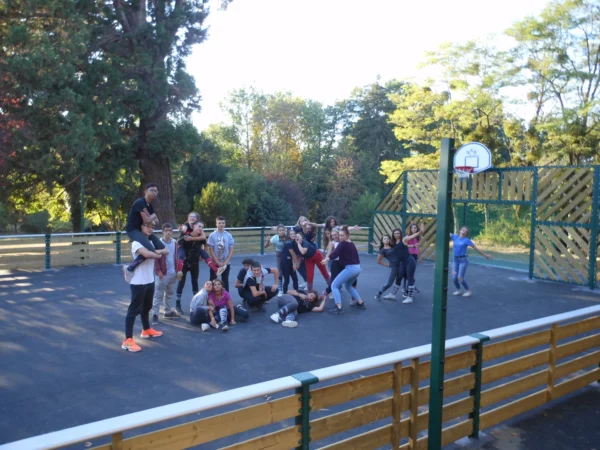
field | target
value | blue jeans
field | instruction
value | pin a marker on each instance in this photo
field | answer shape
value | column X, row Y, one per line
column 346, row 277
column 459, row 268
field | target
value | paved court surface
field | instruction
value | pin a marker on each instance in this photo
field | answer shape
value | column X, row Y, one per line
column 62, row 365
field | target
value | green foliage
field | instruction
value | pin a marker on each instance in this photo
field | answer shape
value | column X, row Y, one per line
column 362, row 209
column 391, row 170
column 36, row 222
column 218, row 200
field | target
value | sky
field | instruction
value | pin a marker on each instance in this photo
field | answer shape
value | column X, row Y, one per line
column 322, row 49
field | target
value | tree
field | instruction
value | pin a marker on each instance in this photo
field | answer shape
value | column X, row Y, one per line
column 362, row 209
column 344, row 188
column 218, row 200
column 558, row 57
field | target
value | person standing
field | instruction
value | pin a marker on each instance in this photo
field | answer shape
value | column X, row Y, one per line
column 140, row 213
column 142, row 292
column 278, row 241
column 348, row 256
column 220, row 246
column 165, row 276
column 460, row 262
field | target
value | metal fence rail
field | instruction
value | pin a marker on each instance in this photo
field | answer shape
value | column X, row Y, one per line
column 47, row 251
column 490, row 377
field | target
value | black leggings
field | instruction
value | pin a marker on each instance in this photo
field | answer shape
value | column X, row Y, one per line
column 415, row 257
column 141, row 304
column 406, row 269
column 194, row 270
column 287, row 269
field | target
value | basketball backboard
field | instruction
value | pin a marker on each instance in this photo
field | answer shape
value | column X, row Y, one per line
column 475, row 155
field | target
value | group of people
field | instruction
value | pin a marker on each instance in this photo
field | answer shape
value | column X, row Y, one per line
column 160, row 268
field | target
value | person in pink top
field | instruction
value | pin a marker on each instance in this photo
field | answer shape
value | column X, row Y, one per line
column 222, row 305
column 415, row 253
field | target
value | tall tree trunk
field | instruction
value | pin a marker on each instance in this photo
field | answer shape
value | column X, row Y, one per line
column 74, row 192
column 158, row 170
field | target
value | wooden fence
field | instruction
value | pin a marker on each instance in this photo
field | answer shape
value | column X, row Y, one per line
column 40, row 251
column 381, row 401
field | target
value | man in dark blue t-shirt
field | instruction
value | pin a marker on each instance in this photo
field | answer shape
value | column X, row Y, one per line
column 142, row 212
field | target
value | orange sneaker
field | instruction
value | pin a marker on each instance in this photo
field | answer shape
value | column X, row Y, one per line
column 150, row 333
column 130, row 345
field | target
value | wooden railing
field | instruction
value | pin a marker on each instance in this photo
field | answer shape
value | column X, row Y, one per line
column 490, row 377
column 39, row 251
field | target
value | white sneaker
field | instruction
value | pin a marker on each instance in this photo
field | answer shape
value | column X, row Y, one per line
column 127, row 274
column 205, row 327
column 220, row 270
column 467, row 294
column 289, row 323
column 302, row 286
column 224, row 327
column 280, row 293
column 276, row 318
column 407, row 300
column 390, row 297
column 457, row 293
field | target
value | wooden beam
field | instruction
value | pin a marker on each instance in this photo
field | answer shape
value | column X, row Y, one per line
column 379, row 437
column 579, row 382
column 512, row 409
column 580, row 327
column 397, row 406
column 351, row 390
column 512, row 388
column 413, row 428
column 505, row 369
column 279, row 440
column 516, row 345
column 551, row 362
column 583, row 362
column 577, row 346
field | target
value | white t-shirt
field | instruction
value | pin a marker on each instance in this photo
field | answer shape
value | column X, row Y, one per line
column 144, row 273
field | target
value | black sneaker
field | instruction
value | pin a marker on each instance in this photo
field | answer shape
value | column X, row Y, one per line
column 178, row 308
column 360, row 305
column 171, row 315
column 154, row 318
column 416, row 291
column 336, row 310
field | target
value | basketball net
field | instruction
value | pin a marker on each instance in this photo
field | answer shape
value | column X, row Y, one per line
column 463, row 171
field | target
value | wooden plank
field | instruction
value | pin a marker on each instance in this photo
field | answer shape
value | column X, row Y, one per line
column 574, row 197
column 452, row 363
column 219, row 426
column 449, row 435
column 351, row 418
column 578, row 346
column 512, row 409
column 549, row 193
column 542, row 269
column 450, row 411
column 117, row 441
column 551, row 361
column 397, row 405
column 515, row 345
column 452, row 387
column 583, row 362
column 413, row 428
column 376, row 438
column 279, row 440
column 351, row 390
column 512, row 388
column 505, row 369
column 579, row 382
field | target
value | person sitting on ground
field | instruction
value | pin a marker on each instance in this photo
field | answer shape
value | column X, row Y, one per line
column 222, row 307
column 241, row 276
column 254, row 292
column 293, row 303
column 199, row 307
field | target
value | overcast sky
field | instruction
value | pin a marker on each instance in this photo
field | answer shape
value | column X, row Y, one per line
column 322, row 49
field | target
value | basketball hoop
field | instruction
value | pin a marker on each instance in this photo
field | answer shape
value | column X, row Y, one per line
column 463, row 171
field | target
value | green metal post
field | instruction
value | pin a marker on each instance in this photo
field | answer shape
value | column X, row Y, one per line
column 319, row 237
column 404, row 199
column 371, row 233
column 440, row 295
column 476, row 391
column 303, row 419
column 82, row 203
column 594, row 231
column 48, row 237
column 533, row 224
column 262, row 241
column 118, row 248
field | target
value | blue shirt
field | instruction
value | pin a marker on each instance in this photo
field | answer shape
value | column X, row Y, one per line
column 460, row 245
